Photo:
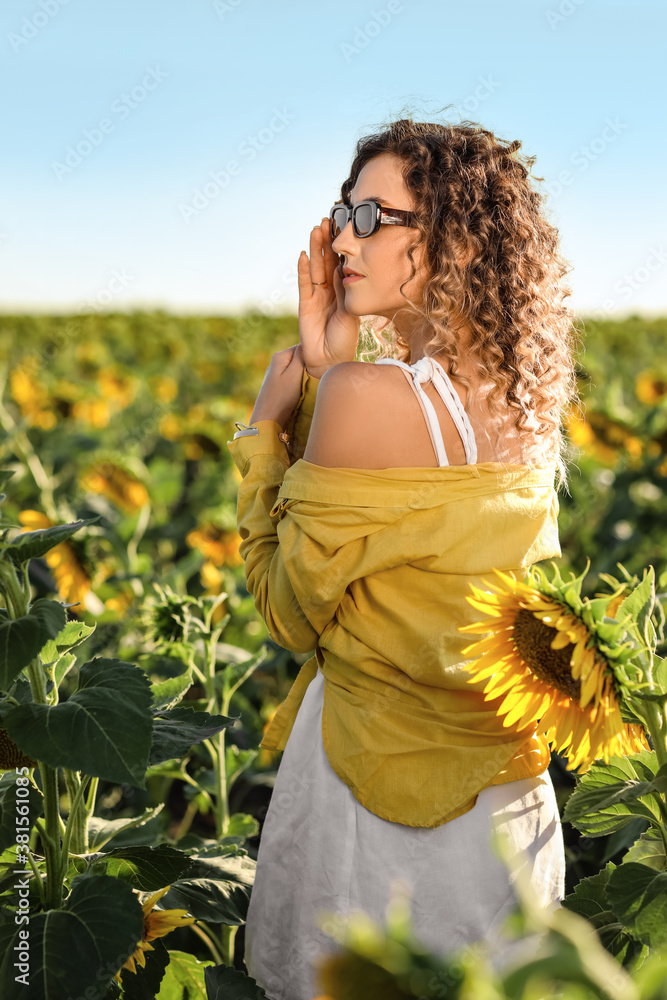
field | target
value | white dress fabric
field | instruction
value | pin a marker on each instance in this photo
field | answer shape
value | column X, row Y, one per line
column 321, row 850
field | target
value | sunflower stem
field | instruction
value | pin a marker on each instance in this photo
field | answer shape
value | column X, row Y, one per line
column 209, row 942
column 228, row 935
column 654, row 720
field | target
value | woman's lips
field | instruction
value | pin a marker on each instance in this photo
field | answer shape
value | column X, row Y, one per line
column 349, row 278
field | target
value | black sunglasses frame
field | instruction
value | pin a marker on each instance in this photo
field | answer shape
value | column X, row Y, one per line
column 382, row 216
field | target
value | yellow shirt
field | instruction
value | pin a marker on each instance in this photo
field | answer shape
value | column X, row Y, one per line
column 370, row 569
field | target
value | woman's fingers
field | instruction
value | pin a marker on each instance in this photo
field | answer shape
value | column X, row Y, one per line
column 317, row 266
column 331, row 258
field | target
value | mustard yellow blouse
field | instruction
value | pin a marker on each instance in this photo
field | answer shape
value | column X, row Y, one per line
column 370, row 570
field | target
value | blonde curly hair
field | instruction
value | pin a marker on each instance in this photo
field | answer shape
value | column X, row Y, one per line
column 474, row 202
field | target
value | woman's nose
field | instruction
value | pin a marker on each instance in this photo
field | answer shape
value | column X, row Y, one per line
column 340, row 242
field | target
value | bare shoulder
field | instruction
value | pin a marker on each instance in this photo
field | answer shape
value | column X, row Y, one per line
column 352, row 398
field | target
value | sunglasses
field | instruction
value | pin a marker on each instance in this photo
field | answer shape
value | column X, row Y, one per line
column 367, row 217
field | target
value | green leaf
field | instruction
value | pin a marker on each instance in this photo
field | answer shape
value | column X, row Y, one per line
column 236, row 673
column 101, row 831
column 9, row 813
column 34, row 544
column 608, row 796
column 79, row 946
column 71, row 635
column 649, row 850
column 146, row 868
column 169, row 692
column 215, row 889
column 639, row 603
column 175, row 730
column 144, row 983
column 184, row 978
column 103, row 730
column 638, row 895
column 225, row 983
column 242, row 825
column 5, row 476
column 236, row 761
column 660, row 674
column 22, row 638
column 590, row 900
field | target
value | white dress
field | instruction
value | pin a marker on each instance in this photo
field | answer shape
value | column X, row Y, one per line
column 321, row 850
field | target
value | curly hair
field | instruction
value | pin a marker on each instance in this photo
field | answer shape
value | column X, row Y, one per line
column 494, row 267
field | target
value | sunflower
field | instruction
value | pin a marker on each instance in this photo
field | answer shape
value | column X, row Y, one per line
column 558, row 660
column 71, row 578
column 156, row 924
column 118, row 485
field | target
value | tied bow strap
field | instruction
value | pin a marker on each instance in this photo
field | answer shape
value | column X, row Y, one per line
column 422, row 371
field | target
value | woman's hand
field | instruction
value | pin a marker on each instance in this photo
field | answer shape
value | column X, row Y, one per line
column 328, row 333
column 281, row 387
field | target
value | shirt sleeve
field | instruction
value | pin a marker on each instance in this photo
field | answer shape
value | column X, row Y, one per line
column 262, row 461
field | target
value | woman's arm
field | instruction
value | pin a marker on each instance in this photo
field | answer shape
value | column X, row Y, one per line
column 262, row 461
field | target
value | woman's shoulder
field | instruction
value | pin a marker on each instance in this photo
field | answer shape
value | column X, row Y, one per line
column 353, row 398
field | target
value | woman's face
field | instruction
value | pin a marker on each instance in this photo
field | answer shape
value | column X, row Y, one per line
column 382, row 258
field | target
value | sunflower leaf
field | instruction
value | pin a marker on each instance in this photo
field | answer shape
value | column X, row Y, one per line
column 22, row 638
column 608, row 796
column 226, row 983
column 649, row 850
column 175, row 730
column 103, row 730
column 101, row 831
column 638, row 895
column 214, row 889
column 83, row 943
column 639, row 603
column 145, row 868
column 143, row 984
column 590, row 899
column 184, row 977
column 34, row 544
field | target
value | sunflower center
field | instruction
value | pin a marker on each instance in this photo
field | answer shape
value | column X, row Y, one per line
column 533, row 639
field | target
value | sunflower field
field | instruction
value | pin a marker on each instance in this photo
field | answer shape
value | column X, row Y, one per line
column 137, row 678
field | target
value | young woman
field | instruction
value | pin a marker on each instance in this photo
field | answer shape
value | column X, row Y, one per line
column 373, row 494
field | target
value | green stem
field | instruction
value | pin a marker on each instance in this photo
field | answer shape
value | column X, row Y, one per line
column 76, row 820
column 38, row 877
column 209, row 942
column 228, row 935
column 17, row 604
column 216, row 745
column 653, row 715
column 52, row 848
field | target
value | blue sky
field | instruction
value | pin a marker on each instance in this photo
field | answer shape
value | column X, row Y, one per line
column 117, row 112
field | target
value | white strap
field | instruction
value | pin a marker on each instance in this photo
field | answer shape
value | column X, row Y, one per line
column 428, row 368
column 446, row 390
column 432, row 417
